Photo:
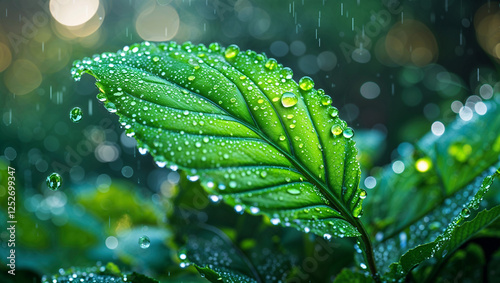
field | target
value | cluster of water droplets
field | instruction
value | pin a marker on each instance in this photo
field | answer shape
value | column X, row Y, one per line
column 97, row 274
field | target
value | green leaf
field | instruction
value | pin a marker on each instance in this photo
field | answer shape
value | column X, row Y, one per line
column 349, row 276
column 456, row 233
column 220, row 259
column 462, row 153
column 98, row 274
column 238, row 122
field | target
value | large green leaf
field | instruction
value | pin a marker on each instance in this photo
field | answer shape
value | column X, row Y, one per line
column 457, row 157
column 242, row 125
column 220, row 259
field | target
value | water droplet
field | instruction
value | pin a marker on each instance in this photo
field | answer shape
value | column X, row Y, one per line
column 327, row 236
column 326, row 100
column 111, row 107
column 238, row 208
column 156, row 59
column 293, row 191
column 336, row 130
column 348, row 133
column 362, row 194
column 231, row 51
column 334, row 112
column 101, row 97
column 191, row 78
column 214, row 198
column 271, row 64
column 214, row 46
column 465, row 212
column 282, row 138
column 289, row 99
column 254, row 209
column 275, row 221
column 306, row 83
column 142, row 150
column 76, row 114
column 287, row 73
column 144, row 242
column 54, row 181
column 233, row 184
column 263, row 174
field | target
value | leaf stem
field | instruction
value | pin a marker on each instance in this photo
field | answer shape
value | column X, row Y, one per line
column 368, row 251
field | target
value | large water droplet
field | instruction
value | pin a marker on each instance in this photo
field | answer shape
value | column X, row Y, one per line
column 362, row 194
column 231, row 51
column 76, row 114
column 306, row 83
column 334, row 112
column 465, row 212
column 144, row 242
column 336, row 130
column 293, row 191
column 54, row 181
column 271, row 64
column 326, row 100
column 348, row 133
column 289, row 99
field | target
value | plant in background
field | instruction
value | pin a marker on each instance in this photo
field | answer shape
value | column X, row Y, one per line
column 267, row 145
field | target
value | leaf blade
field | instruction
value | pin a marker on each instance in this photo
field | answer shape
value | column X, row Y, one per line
column 206, row 109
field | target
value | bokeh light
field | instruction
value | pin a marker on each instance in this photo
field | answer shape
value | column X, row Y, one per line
column 5, row 57
column 411, row 43
column 157, row 23
column 22, row 77
column 73, row 13
column 486, row 22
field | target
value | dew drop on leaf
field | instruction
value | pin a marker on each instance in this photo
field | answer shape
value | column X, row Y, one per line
column 293, row 191
column 289, row 99
column 362, row 194
column 76, row 114
column 254, row 210
column 144, row 242
column 271, row 64
column 348, row 133
column 465, row 212
column 334, row 112
column 326, row 100
column 54, row 181
column 231, row 51
column 306, row 83
column 336, row 130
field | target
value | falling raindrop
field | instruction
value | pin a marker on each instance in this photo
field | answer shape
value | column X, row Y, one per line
column 76, row 114
column 54, row 181
column 144, row 242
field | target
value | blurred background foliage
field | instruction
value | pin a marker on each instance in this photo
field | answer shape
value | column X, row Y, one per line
column 396, row 70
